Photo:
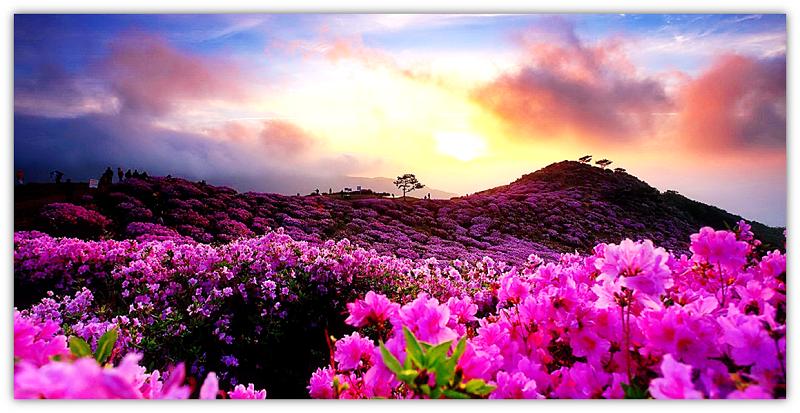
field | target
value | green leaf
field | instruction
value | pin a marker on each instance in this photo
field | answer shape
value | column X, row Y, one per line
column 79, row 347
column 437, row 354
column 413, row 349
column 474, row 385
column 445, row 372
column 407, row 376
column 460, row 347
column 452, row 394
column 426, row 390
column 632, row 391
column 106, row 345
column 478, row 387
column 390, row 360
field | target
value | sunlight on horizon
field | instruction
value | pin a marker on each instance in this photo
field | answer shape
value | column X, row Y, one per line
column 464, row 146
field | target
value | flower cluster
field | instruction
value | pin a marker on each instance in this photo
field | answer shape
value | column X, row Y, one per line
column 626, row 320
column 44, row 368
column 630, row 320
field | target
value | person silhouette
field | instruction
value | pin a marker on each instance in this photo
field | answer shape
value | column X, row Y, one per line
column 120, row 174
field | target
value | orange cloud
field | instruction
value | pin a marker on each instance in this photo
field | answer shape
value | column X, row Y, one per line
column 151, row 77
column 568, row 87
column 738, row 102
column 278, row 137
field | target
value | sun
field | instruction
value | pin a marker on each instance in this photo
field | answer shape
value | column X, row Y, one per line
column 464, row 146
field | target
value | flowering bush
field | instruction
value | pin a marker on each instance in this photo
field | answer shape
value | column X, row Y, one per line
column 626, row 319
column 630, row 320
column 64, row 219
column 44, row 368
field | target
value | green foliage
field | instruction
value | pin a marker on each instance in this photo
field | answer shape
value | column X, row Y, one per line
column 105, row 345
column 79, row 347
column 635, row 391
column 429, row 372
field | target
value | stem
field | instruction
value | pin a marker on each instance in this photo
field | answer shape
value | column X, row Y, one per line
column 330, row 348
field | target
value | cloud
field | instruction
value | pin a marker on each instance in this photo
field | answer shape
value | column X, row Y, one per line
column 83, row 146
column 566, row 86
column 276, row 136
column 738, row 102
column 150, row 77
column 336, row 48
column 53, row 92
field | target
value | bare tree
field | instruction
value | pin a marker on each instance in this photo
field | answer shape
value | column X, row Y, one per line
column 585, row 159
column 604, row 163
column 407, row 183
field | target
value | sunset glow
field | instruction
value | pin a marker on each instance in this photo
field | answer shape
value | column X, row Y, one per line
column 278, row 102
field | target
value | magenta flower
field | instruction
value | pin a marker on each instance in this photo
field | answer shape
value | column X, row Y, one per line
column 719, row 248
column 373, row 309
column 83, row 379
column 427, row 319
column 210, row 387
column 642, row 266
column 676, row 381
column 586, row 343
column 351, row 350
column 321, row 384
column 752, row 391
column 249, row 392
column 515, row 386
column 748, row 340
column 35, row 342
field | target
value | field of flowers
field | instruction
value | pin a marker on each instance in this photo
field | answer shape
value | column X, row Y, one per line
column 161, row 315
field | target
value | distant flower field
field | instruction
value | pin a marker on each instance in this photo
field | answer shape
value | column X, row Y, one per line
column 167, row 317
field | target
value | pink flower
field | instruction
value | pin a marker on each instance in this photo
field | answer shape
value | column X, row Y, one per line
column 36, row 342
column 82, row 379
column 719, row 248
column 642, row 266
column 676, row 382
column 249, row 392
column 581, row 381
column 515, row 386
column 586, row 343
column 321, row 384
column 427, row 319
column 748, row 340
column 753, row 391
column 210, row 387
column 351, row 350
column 512, row 288
column 373, row 309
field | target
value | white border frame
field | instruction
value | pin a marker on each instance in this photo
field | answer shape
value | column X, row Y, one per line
column 791, row 8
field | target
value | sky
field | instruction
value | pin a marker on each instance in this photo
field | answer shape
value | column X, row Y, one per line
column 292, row 102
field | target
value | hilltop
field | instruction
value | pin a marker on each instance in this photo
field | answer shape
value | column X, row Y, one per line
column 564, row 207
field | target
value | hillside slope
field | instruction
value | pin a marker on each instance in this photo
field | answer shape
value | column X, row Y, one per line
column 564, row 207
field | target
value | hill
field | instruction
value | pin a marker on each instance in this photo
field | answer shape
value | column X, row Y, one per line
column 564, row 207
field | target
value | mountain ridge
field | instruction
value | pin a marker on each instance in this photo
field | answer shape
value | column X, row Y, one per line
column 564, row 207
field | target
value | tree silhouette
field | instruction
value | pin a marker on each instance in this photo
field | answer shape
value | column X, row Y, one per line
column 407, row 183
column 620, row 170
column 604, row 163
column 585, row 159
